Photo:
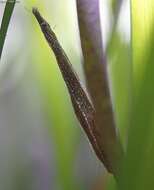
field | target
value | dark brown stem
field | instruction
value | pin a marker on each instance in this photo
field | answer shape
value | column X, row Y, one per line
column 83, row 108
column 80, row 101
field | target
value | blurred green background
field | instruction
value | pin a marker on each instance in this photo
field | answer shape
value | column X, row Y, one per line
column 42, row 146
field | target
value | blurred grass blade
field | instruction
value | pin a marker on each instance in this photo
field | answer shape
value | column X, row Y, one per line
column 95, row 67
column 82, row 106
column 142, row 20
column 5, row 22
column 138, row 169
column 120, row 69
column 116, row 8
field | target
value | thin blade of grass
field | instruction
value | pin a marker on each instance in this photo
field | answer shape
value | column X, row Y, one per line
column 120, row 70
column 116, row 6
column 9, row 7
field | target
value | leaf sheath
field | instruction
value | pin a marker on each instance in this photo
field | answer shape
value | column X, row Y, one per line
column 82, row 106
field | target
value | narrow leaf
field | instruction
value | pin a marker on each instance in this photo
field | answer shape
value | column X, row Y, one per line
column 5, row 22
column 81, row 104
column 139, row 163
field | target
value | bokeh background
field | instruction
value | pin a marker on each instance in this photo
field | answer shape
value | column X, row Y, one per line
column 42, row 146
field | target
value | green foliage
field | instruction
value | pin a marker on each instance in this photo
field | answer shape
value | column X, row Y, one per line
column 131, row 71
column 5, row 22
column 138, row 167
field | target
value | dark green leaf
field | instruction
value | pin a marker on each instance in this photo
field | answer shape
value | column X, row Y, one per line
column 5, row 22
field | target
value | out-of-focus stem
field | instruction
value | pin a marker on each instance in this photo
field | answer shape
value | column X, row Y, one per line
column 95, row 67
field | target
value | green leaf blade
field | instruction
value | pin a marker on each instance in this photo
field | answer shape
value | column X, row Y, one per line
column 9, row 7
column 138, row 167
